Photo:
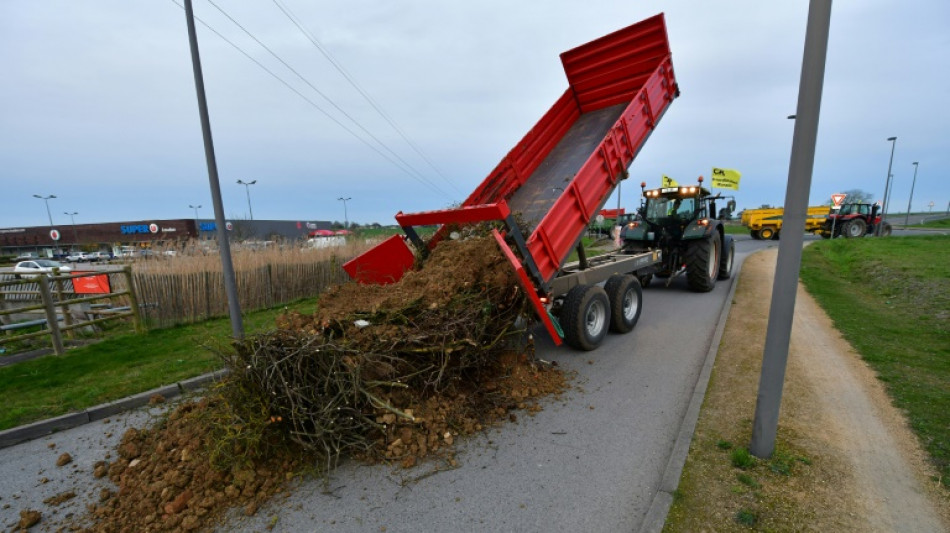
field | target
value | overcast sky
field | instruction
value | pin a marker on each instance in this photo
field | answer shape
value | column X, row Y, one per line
column 99, row 103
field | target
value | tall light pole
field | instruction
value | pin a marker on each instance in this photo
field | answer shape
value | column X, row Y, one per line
column 247, row 189
column 73, row 219
column 887, row 186
column 346, row 220
column 197, row 226
column 46, row 199
column 911, row 199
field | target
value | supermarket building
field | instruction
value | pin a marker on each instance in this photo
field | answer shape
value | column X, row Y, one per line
column 46, row 241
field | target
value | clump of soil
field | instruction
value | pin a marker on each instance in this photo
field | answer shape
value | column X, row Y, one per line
column 392, row 374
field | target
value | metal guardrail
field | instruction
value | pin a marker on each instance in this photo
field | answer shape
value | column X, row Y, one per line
column 54, row 294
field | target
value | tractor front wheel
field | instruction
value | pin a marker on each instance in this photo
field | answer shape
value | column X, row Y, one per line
column 585, row 317
column 728, row 256
column 702, row 262
column 624, row 294
column 885, row 229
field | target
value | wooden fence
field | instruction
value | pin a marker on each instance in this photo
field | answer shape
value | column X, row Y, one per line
column 179, row 298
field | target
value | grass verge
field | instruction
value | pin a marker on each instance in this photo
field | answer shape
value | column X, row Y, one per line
column 942, row 223
column 890, row 298
column 119, row 366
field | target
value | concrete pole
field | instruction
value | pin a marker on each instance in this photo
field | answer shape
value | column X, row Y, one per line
column 887, row 188
column 911, row 199
column 230, row 282
column 778, row 333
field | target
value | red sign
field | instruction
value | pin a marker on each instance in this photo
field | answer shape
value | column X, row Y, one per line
column 54, row 234
column 92, row 284
column 838, row 198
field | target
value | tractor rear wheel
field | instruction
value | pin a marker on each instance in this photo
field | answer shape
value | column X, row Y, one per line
column 855, row 228
column 624, row 294
column 728, row 256
column 585, row 317
column 766, row 233
column 702, row 262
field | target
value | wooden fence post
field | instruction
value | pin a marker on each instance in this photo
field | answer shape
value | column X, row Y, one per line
column 51, row 321
column 62, row 303
column 133, row 300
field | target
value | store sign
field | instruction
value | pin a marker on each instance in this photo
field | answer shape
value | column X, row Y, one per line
column 207, row 226
column 54, row 234
column 133, row 229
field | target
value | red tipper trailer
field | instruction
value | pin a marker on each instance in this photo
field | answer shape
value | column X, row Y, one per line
column 557, row 178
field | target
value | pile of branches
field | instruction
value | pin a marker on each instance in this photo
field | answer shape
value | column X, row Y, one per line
column 328, row 381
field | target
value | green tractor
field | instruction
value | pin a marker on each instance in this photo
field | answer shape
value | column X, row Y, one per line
column 682, row 223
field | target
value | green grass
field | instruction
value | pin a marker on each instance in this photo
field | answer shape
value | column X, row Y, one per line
column 942, row 223
column 119, row 366
column 890, row 298
column 735, row 229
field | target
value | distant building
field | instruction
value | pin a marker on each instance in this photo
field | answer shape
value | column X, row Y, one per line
column 48, row 242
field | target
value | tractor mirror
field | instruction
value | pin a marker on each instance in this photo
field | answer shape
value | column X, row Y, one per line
column 731, row 206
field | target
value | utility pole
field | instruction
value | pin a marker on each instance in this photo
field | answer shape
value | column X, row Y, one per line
column 911, row 199
column 227, row 267
column 247, row 189
column 46, row 200
column 73, row 219
column 784, row 288
column 346, row 220
column 887, row 187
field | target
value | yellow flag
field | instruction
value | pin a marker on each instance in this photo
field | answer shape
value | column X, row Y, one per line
column 668, row 182
column 725, row 178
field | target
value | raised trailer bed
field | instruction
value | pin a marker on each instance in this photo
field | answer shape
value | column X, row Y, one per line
column 557, row 178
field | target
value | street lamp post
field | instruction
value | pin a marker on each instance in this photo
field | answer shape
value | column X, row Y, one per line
column 197, row 226
column 46, row 199
column 909, row 200
column 247, row 189
column 346, row 220
column 887, row 186
column 73, row 219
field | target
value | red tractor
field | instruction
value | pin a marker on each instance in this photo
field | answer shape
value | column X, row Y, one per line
column 854, row 220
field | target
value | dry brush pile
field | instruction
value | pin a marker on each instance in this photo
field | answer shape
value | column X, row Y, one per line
column 391, row 373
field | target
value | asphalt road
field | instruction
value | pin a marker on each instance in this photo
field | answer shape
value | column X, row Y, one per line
column 592, row 461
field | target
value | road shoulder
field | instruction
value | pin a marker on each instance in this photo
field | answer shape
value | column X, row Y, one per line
column 845, row 459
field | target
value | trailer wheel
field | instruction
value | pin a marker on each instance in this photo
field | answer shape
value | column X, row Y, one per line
column 855, row 228
column 766, row 233
column 702, row 262
column 585, row 315
column 755, row 234
column 728, row 256
column 625, row 295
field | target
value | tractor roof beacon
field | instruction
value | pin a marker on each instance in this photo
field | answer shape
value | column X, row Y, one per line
column 682, row 222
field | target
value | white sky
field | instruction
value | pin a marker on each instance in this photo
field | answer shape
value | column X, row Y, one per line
column 99, row 106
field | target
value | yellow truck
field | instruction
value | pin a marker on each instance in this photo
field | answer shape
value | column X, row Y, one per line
column 766, row 223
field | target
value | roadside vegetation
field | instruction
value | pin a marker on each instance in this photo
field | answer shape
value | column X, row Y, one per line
column 122, row 365
column 943, row 223
column 890, row 298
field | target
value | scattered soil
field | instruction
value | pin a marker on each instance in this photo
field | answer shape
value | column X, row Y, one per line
column 395, row 374
column 845, row 458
